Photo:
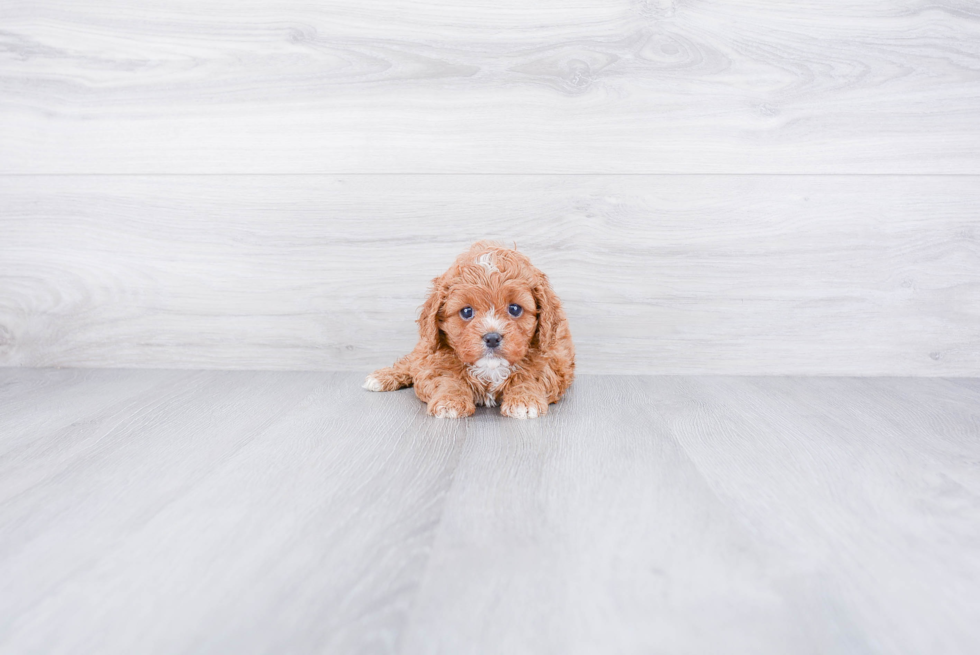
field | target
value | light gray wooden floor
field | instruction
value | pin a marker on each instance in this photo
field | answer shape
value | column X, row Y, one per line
column 242, row 512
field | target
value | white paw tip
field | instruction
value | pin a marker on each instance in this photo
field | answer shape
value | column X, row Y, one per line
column 446, row 412
column 522, row 411
column 372, row 384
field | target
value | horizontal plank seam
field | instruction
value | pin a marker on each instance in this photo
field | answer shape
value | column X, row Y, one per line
column 335, row 174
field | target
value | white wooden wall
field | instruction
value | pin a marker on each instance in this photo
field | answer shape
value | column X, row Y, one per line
column 714, row 187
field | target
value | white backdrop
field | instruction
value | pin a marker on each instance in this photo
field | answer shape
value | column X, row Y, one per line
column 726, row 187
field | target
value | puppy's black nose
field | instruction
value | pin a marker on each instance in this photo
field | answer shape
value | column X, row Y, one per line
column 492, row 339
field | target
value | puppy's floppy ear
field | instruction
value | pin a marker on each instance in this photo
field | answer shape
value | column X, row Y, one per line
column 550, row 313
column 429, row 317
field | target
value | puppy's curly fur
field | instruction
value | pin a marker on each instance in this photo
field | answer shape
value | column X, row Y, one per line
column 490, row 291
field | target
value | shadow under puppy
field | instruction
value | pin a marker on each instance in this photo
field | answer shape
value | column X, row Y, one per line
column 491, row 332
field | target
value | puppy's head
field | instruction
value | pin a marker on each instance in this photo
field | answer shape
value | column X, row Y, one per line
column 491, row 303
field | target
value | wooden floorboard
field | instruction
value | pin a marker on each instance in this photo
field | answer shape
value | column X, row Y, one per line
column 858, row 482
column 226, row 512
column 593, row 531
column 260, row 512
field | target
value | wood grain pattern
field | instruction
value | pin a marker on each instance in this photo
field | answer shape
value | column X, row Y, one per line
column 660, row 274
column 258, row 512
column 215, row 511
column 592, row 531
column 870, row 473
column 349, row 86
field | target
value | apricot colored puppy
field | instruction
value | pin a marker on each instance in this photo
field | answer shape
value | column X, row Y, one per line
column 492, row 332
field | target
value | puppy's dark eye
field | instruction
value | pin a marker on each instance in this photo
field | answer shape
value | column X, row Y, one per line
column 466, row 313
column 515, row 310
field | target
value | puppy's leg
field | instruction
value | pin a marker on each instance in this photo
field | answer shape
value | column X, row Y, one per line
column 526, row 400
column 446, row 396
column 390, row 378
column 526, row 393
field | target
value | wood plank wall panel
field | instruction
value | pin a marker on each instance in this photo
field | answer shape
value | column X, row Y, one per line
column 508, row 86
column 302, row 232
column 844, row 275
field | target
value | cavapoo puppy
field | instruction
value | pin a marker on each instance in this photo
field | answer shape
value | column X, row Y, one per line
column 491, row 332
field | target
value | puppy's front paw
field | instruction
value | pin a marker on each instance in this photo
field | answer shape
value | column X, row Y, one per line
column 523, row 406
column 385, row 379
column 373, row 384
column 451, row 407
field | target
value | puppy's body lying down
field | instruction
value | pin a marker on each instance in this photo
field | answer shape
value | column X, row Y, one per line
column 492, row 332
